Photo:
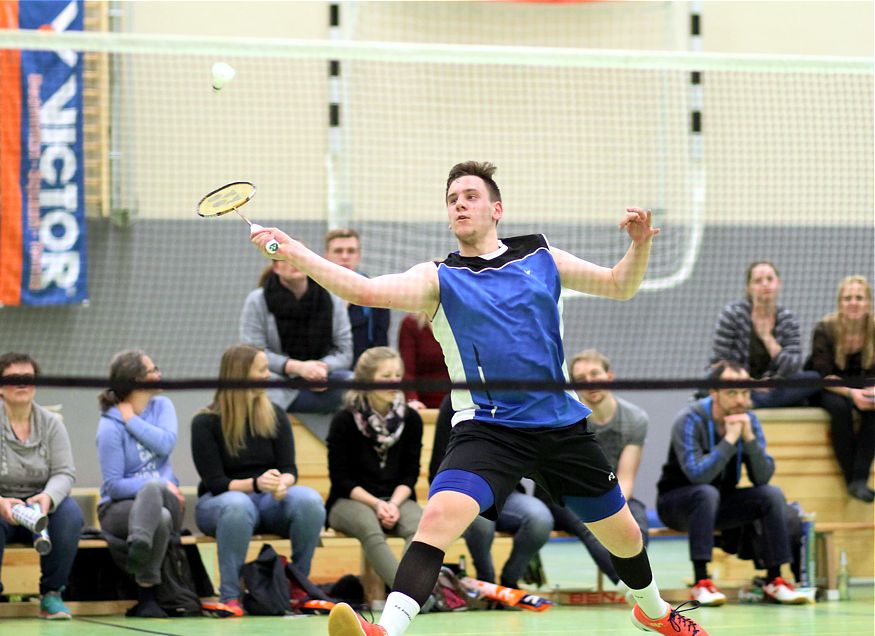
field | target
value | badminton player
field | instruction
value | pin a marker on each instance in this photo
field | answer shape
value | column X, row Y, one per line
column 495, row 312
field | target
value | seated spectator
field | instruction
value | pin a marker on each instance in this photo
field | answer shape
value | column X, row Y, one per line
column 698, row 492
column 373, row 461
column 140, row 500
column 423, row 360
column 620, row 428
column 244, row 453
column 37, row 468
column 524, row 516
column 843, row 346
column 370, row 325
column 763, row 338
column 304, row 331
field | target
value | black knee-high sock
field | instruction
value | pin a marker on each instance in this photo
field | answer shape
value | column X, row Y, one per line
column 634, row 571
column 418, row 571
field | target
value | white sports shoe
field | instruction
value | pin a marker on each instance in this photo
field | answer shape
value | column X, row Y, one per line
column 707, row 593
column 779, row 591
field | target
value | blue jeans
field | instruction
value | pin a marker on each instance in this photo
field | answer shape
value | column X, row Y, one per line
column 566, row 521
column 65, row 526
column 700, row 509
column 787, row 395
column 233, row 517
column 529, row 521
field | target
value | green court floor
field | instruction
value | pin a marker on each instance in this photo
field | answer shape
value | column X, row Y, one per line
column 567, row 565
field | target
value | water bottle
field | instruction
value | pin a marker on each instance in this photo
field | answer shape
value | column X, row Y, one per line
column 843, row 576
column 31, row 517
column 463, row 571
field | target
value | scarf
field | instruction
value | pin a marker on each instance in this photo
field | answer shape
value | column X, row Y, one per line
column 382, row 431
column 305, row 325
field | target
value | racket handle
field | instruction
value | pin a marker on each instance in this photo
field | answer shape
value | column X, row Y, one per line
column 272, row 246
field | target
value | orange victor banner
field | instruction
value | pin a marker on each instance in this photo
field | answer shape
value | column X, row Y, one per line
column 42, row 190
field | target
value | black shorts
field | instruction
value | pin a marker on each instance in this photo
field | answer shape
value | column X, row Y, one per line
column 565, row 461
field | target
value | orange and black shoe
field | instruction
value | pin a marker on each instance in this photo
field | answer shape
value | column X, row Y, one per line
column 343, row 621
column 228, row 609
column 671, row 624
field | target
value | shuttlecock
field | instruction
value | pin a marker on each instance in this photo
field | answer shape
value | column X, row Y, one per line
column 222, row 74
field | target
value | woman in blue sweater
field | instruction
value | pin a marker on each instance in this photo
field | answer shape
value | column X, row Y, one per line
column 140, row 498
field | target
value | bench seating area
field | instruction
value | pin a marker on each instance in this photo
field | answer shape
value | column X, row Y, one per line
column 797, row 438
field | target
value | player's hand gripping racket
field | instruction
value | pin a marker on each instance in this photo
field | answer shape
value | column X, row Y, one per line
column 229, row 198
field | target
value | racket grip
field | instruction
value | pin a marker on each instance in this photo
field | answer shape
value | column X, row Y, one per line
column 272, row 246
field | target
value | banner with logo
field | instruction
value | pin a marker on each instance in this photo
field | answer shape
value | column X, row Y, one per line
column 42, row 223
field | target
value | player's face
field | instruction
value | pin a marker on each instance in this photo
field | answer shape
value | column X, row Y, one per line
column 853, row 302
column 591, row 371
column 764, row 284
column 732, row 401
column 20, row 394
column 471, row 213
column 259, row 370
column 345, row 252
column 387, row 371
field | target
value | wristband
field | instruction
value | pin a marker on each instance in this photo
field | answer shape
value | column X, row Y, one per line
column 255, row 487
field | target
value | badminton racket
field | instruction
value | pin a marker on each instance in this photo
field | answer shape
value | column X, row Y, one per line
column 229, row 198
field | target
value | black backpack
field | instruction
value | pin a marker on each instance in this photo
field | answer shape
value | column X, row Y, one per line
column 267, row 591
column 177, row 594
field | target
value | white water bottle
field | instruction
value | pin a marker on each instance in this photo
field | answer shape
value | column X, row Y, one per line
column 31, row 517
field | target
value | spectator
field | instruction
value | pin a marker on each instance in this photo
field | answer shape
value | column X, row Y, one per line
column 36, row 467
column 304, row 331
column 524, row 516
column 244, row 453
column 843, row 346
column 621, row 428
column 698, row 491
column 373, row 461
column 423, row 360
column 370, row 325
column 140, row 500
column 763, row 338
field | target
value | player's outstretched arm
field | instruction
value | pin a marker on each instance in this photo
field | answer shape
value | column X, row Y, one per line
column 414, row 290
column 621, row 281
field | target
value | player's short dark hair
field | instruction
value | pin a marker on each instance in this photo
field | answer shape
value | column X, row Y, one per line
column 8, row 359
column 482, row 169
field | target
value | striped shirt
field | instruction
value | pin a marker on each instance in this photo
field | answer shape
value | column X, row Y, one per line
column 732, row 335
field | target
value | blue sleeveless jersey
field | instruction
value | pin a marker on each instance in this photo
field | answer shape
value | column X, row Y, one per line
column 501, row 319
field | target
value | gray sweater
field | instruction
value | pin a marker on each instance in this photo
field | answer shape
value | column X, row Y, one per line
column 258, row 328
column 43, row 462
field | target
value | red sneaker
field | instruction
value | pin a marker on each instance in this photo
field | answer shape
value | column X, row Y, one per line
column 671, row 624
column 228, row 609
column 343, row 621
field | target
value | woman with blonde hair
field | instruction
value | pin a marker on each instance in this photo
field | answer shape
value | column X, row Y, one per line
column 244, row 452
column 374, row 446
column 843, row 347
